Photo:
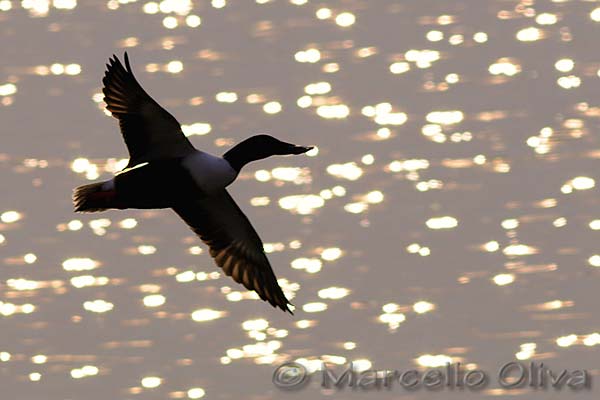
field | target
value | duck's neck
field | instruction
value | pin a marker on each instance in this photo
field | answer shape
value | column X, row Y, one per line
column 242, row 154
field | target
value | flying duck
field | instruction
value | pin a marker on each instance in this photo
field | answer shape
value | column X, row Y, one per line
column 166, row 171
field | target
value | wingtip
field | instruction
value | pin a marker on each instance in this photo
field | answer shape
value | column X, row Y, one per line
column 114, row 61
column 127, row 65
column 111, row 63
column 288, row 309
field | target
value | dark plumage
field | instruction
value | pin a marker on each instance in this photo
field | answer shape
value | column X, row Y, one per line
column 166, row 171
column 149, row 131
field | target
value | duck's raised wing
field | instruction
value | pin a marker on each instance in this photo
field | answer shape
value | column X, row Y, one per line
column 149, row 131
column 234, row 244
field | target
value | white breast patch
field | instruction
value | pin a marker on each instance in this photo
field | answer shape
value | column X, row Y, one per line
column 211, row 173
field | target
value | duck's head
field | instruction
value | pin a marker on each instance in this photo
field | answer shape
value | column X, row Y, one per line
column 259, row 147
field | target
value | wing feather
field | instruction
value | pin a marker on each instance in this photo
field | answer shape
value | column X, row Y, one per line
column 234, row 244
column 149, row 131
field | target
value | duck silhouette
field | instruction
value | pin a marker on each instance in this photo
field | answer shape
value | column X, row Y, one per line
column 166, row 171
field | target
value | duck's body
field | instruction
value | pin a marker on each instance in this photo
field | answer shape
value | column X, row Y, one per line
column 166, row 171
column 210, row 173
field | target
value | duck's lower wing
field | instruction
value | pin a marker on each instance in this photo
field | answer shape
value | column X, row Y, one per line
column 234, row 244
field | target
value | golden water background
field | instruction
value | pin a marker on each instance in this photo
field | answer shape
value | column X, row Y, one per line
column 449, row 212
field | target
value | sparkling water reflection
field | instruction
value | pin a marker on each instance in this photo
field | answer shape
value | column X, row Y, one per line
column 448, row 213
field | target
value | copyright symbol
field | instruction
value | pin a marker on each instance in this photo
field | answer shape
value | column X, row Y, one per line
column 290, row 376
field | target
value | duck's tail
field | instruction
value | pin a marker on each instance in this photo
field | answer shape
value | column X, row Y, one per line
column 94, row 197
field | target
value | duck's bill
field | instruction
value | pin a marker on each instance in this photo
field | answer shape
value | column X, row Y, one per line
column 299, row 149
